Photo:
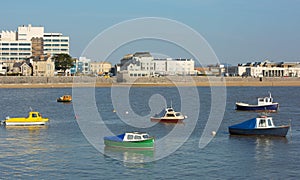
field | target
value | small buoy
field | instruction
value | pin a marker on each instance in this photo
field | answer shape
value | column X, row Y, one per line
column 213, row 133
column 126, row 112
column 114, row 110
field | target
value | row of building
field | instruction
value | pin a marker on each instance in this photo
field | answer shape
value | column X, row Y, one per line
column 36, row 67
column 28, row 51
column 144, row 64
column 265, row 69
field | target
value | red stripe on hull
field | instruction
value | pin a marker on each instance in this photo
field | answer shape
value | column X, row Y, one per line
column 167, row 120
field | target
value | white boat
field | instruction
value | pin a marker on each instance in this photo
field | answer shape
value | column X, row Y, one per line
column 168, row 115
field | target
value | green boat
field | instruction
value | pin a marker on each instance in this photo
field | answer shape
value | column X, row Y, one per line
column 130, row 140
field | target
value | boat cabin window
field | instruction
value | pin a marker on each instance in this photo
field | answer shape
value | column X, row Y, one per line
column 137, row 137
column 262, row 123
column 145, row 136
column 269, row 123
column 261, row 100
column 130, row 137
column 170, row 110
column 170, row 115
column 34, row 115
column 178, row 114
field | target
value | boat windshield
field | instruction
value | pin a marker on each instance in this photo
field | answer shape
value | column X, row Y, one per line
column 262, row 123
column 161, row 114
column 137, row 137
column 269, row 122
column 178, row 114
column 145, row 136
column 170, row 115
column 130, row 137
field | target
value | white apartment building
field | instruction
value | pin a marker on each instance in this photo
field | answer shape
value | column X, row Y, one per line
column 55, row 43
column 270, row 69
column 11, row 48
column 143, row 64
column 171, row 66
column 18, row 45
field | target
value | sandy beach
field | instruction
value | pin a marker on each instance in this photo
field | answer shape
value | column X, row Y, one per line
column 56, row 82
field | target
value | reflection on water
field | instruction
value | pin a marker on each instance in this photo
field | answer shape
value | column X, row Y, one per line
column 23, row 140
column 33, row 129
column 264, row 148
column 130, row 157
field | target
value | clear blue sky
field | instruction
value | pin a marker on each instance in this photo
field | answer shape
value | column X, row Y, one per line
column 238, row 30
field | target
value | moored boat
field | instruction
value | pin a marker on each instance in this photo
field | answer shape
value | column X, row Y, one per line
column 65, row 98
column 263, row 104
column 130, row 140
column 168, row 115
column 262, row 125
column 34, row 118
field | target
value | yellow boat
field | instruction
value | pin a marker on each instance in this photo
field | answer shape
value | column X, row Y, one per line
column 34, row 118
column 65, row 98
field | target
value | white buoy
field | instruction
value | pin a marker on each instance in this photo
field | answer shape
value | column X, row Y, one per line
column 126, row 112
column 213, row 133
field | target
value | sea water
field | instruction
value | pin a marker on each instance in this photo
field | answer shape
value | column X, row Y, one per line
column 62, row 151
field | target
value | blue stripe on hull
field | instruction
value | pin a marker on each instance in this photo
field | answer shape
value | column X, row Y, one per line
column 273, row 107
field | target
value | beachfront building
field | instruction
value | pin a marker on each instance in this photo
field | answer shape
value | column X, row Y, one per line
column 269, row 69
column 171, row 66
column 43, row 68
column 81, row 66
column 20, row 69
column 30, row 41
column 100, row 68
column 3, row 68
column 143, row 64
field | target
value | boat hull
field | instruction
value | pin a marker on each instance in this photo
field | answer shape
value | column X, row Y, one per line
column 66, row 101
column 272, row 107
column 276, row 131
column 146, row 144
column 24, row 123
column 174, row 120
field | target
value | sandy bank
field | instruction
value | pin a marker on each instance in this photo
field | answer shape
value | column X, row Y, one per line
column 68, row 82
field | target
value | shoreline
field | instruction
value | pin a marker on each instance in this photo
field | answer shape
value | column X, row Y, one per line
column 140, row 84
column 166, row 81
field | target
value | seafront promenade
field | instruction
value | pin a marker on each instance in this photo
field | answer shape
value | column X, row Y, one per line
column 64, row 82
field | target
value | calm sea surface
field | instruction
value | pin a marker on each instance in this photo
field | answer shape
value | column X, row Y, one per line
column 61, row 151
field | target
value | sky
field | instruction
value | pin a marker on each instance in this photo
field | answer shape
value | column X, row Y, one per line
column 238, row 31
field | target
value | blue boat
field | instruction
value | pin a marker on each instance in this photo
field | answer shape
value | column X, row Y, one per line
column 263, row 104
column 262, row 125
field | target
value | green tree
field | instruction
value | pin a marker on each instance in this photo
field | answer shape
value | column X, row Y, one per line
column 63, row 62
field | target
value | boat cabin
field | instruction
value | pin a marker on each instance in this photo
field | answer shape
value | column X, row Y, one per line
column 264, row 122
column 135, row 136
column 265, row 100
